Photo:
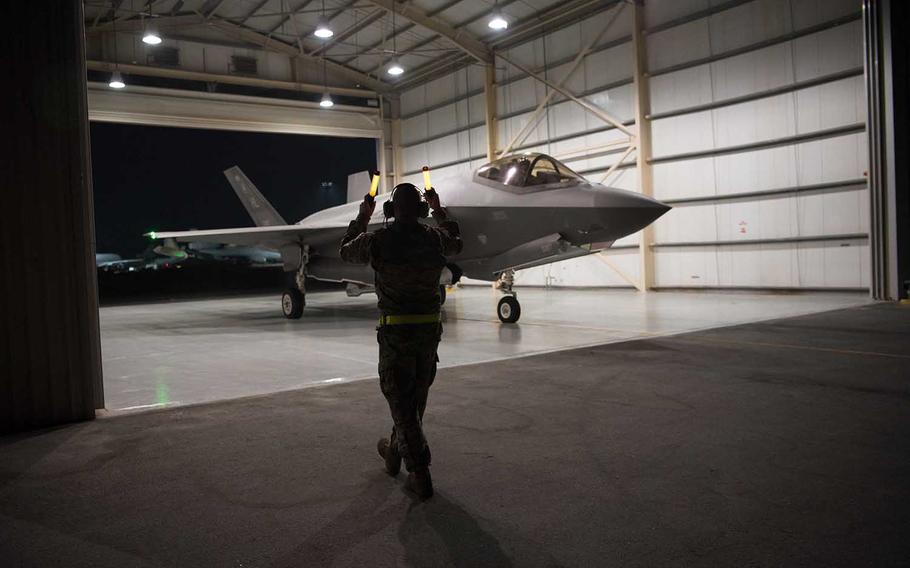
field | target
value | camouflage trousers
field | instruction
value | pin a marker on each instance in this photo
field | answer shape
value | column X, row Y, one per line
column 407, row 367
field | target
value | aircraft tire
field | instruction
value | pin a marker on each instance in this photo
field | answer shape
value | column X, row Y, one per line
column 292, row 302
column 508, row 309
column 442, row 295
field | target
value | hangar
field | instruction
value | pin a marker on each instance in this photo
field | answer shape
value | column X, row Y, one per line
column 708, row 389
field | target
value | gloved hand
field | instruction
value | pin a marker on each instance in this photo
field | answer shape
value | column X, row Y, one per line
column 367, row 206
column 432, row 199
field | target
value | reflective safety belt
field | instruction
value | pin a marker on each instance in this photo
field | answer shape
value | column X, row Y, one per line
column 410, row 318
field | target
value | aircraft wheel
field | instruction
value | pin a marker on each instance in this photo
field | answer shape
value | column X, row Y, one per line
column 292, row 302
column 442, row 295
column 508, row 310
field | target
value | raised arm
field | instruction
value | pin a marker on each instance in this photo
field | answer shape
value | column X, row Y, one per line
column 355, row 246
column 447, row 229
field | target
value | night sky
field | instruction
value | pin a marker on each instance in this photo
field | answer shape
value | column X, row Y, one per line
column 156, row 178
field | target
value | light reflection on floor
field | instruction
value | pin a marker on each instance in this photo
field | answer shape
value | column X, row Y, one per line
column 188, row 352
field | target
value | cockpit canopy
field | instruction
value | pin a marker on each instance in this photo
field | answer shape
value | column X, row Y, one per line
column 528, row 172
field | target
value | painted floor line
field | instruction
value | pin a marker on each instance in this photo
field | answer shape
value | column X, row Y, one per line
column 790, row 346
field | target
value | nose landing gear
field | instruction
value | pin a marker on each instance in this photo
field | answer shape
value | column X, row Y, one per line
column 508, row 309
column 294, row 299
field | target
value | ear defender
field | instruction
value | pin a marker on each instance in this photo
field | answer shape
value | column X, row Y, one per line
column 388, row 207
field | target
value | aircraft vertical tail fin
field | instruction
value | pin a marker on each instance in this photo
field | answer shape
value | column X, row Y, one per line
column 358, row 186
column 262, row 212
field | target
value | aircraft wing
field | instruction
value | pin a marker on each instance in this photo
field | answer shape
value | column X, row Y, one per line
column 322, row 238
column 270, row 237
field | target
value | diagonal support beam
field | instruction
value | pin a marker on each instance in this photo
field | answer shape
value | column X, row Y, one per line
column 538, row 112
column 618, row 163
column 210, row 7
column 595, row 110
column 290, row 15
column 460, row 38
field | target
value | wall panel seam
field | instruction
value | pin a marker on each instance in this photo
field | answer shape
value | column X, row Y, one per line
column 758, row 45
column 822, row 80
column 844, row 185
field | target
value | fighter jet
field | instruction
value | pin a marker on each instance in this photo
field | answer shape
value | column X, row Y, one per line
column 517, row 212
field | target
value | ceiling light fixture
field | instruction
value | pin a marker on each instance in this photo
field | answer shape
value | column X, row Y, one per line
column 395, row 68
column 497, row 20
column 323, row 31
column 326, row 101
column 116, row 81
column 151, row 36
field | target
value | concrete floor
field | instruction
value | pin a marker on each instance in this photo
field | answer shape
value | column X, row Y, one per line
column 197, row 351
column 781, row 443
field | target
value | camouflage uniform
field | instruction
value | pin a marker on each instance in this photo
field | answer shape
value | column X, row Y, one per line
column 407, row 260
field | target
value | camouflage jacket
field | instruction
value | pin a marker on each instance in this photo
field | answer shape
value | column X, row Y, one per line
column 407, row 260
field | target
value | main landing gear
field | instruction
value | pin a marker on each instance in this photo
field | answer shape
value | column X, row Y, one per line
column 292, row 303
column 294, row 299
column 508, row 309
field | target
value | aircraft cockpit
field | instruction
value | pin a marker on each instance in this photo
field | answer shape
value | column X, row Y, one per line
column 526, row 173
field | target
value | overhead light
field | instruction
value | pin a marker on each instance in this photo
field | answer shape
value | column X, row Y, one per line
column 395, row 68
column 151, row 36
column 497, row 20
column 326, row 101
column 116, row 81
column 322, row 29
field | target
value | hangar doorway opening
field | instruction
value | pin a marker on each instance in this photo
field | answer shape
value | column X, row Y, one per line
column 153, row 178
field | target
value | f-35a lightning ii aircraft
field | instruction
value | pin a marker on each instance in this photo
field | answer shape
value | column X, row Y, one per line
column 517, row 212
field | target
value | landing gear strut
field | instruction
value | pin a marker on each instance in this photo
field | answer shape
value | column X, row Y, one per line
column 508, row 309
column 294, row 299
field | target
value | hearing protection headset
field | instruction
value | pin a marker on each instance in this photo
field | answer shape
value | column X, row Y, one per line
column 388, row 208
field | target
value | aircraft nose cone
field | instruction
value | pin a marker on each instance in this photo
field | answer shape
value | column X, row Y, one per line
column 628, row 211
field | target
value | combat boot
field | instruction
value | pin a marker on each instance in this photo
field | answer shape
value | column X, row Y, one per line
column 390, row 456
column 420, row 483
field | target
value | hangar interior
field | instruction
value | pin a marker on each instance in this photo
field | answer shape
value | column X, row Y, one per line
column 726, row 386
column 751, row 115
column 754, row 112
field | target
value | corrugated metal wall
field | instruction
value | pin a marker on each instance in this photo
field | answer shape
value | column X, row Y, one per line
column 50, row 368
column 758, row 122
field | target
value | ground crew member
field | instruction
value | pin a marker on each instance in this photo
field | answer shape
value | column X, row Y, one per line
column 407, row 257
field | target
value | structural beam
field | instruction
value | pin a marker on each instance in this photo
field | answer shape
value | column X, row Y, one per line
column 353, row 29
column 163, row 23
column 643, row 126
column 597, row 111
column 169, row 73
column 460, row 38
column 290, row 15
column 489, row 90
column 541, row 107
column 220, row 111
column 253, row 37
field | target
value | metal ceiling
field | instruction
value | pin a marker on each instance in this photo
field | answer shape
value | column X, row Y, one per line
column 430, row 37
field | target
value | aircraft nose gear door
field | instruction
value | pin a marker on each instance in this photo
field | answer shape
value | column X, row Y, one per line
column 294, row 299
column 508, row 309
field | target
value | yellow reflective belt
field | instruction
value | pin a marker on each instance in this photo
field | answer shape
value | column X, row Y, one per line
column 410, row 318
